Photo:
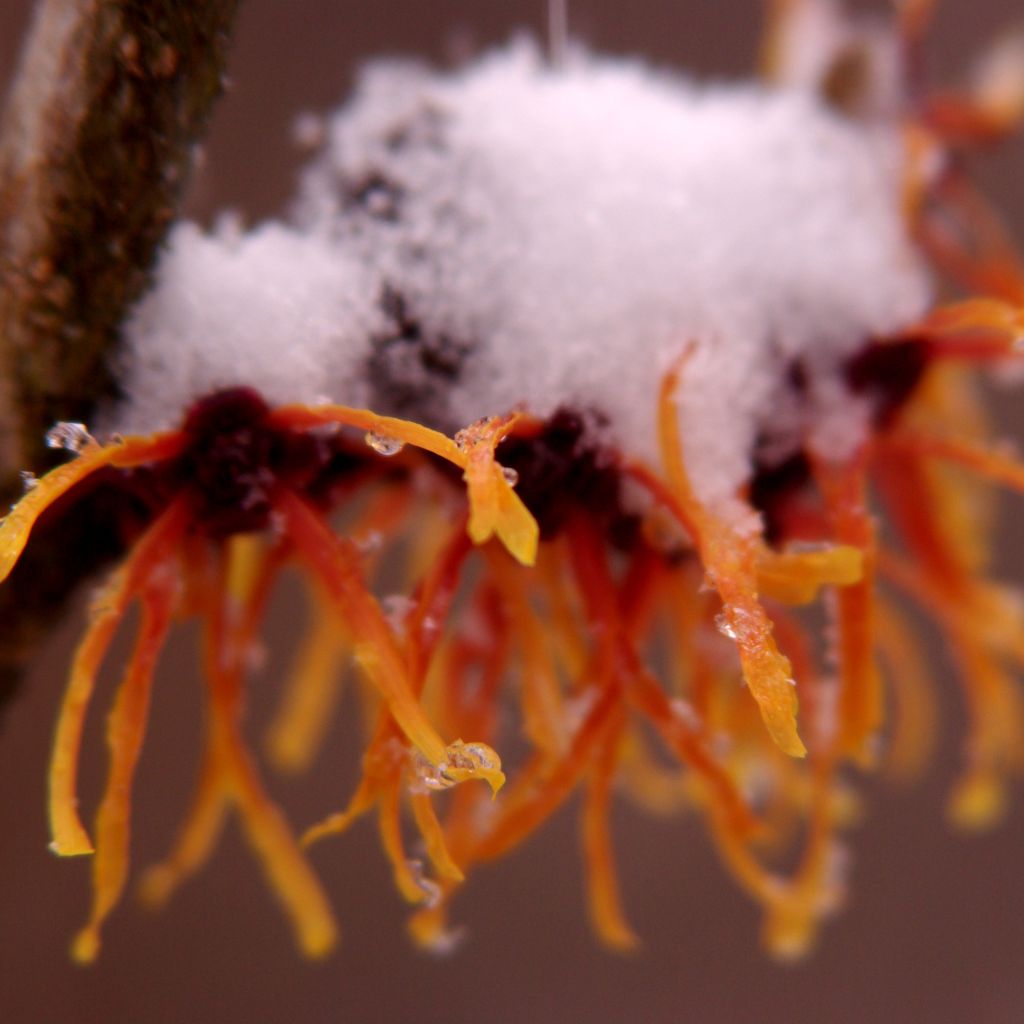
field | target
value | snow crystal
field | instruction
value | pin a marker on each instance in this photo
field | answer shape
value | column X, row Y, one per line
column 274, row 308
column 519, row 234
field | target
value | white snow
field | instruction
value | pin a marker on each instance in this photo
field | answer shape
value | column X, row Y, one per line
column 274, row 308
column 514, row 234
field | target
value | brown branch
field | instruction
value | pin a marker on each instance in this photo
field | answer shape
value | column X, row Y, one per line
column 96, row 144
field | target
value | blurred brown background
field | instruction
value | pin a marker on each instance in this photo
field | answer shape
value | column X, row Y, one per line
column 935, row 926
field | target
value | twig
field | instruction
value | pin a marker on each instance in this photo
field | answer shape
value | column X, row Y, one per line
column 96, row 143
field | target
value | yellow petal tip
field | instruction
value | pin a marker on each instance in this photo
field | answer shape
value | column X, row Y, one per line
column 72, row 848
column 86, row 946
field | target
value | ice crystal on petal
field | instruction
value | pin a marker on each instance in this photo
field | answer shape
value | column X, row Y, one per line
column 72, row 437
column 384, row 445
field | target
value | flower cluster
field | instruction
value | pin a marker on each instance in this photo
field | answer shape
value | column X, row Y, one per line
column 600, row 609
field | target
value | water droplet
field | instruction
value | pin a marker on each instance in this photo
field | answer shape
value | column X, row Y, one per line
column 739, row 624
column 72, row 437
column 576, row 708
column 428, row 776
column 372, row 541
column 834, row 882
column 476, row 755
column 511, row 475
column 448, row 940
column 431, row 890
column 809, row 547
column 467, row 437
column 28, row 480
column 396, row 608
column 384, row 445
column 725, row 627
column 686, row 713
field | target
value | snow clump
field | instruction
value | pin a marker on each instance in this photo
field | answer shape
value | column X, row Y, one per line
column 517, row 234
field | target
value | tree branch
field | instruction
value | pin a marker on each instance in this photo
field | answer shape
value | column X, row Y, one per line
column 96, row 143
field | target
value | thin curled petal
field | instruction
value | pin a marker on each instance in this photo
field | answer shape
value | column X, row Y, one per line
column 376, row 650
column 69, row 837
column 605, row 903
column 336, row 565
column 334, row 824
column 999, row 466
column 495, row 509
column 389, row 823
column 797, row 576
column 861, row 699
column 311, row 693
column 196, row 838
column 313, row 685
column 543, row 712
column 543, row 785
column 730, row 560
column 433, row 837
column 19, row 522
column 973, row 316
column 290, row 875
column 912, row 738
column 226, row 640
column 125, row 732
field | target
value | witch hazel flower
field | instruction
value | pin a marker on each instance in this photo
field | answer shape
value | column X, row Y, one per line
column 618, row 371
